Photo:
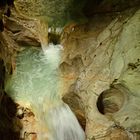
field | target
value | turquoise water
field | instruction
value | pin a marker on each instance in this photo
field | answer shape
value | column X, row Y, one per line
column 36, row 82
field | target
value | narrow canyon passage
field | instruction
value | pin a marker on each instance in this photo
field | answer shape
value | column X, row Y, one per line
column 69, row 70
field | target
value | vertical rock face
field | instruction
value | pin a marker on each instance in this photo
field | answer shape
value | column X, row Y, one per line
column 100, row 67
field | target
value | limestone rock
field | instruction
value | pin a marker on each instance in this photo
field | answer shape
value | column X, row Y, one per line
column 105, row 57
column 100, row 64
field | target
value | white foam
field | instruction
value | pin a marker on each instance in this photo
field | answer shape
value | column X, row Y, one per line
column 64, row 124
column 36, row 81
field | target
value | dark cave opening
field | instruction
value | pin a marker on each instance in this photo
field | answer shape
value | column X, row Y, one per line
column 110, row 101
column 100, row 104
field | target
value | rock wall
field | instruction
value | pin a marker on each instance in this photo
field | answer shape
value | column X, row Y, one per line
column 100, row 69
column 100, row 63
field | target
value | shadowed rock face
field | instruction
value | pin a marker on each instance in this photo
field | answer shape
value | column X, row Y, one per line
column 57, row 12
column 10, row 126
column 110, row 101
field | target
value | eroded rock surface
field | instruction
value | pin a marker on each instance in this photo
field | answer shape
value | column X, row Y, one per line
column 100, row 65
column 105, row 56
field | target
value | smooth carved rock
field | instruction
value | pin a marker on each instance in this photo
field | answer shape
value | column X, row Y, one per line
column 112, row 66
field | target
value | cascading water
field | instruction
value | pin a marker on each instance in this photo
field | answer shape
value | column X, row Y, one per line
column 36, row 82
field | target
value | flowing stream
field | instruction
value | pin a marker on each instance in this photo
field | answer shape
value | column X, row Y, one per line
column 36, row 81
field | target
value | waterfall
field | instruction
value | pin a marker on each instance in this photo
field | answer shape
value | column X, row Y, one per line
column 36, row 81
column 64, row 124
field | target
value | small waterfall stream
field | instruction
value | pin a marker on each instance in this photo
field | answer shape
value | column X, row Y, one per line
column 36, row 82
